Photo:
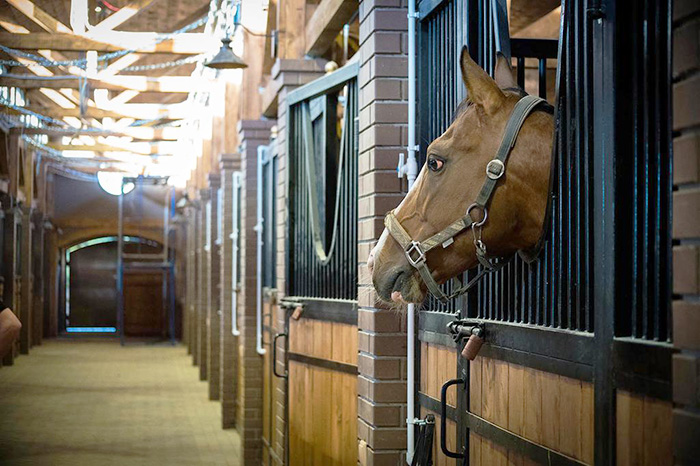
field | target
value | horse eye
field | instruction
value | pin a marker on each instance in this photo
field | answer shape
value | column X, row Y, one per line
column 435, row 164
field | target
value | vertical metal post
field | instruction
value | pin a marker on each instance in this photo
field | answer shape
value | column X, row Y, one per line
column 120, row 266
column 171, row 301
column 262, row 155
column 236, row 183
column 604, row 147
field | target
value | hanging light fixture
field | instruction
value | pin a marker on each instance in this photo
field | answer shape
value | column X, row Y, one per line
column 226, row 59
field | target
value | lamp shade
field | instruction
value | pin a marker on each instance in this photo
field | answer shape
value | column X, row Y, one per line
column 226, row 59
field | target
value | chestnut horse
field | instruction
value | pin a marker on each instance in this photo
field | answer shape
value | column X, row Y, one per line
column 451, row 180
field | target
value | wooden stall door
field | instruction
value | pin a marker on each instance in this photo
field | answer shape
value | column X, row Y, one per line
column 144, row 311
column 273, row 449
column 322, row 393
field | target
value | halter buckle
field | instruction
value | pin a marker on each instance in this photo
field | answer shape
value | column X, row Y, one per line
column 495, row 169
column 412, row 250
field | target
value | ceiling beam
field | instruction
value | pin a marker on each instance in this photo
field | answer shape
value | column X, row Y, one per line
column 97, row 147
column 186, row 44
column 124, row 14
column 326, row 23
column 178, row 84
column 137, row 133
column 40, row 17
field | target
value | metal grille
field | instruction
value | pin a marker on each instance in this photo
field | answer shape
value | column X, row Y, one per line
column 308, row 276
column 269, row 224
column 556, row 289
column 644, row 173
column 236, row 234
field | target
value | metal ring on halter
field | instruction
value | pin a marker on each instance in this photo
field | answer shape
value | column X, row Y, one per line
column 486, row 215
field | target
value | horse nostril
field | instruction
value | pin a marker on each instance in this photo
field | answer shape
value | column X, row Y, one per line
column 370, row 261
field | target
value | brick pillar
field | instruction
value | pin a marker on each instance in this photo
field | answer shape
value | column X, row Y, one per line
column 25, row 339
column 191, row 216
column 38, row 277
column 383, row 129
column 202, row 285
column 229, row 163
column 213, row 292
column 686, row 231
column 252, row 133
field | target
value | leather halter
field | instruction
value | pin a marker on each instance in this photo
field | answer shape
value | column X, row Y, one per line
column 415, row 251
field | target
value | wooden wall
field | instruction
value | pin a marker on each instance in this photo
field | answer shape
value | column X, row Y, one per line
column 144, row 312
column 438, row 364
column 644, row 428
column 322, row 402
column 547, row 409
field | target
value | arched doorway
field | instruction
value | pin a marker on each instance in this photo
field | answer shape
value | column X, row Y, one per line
column 90, row 292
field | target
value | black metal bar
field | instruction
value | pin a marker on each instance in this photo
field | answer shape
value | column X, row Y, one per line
column 325, row 84
column 553, row 365
column 324, row 363
column 566, row 345
column 443, row 418
column 274, row 357
column 431, row 404
column 501, row 436
column 534, row 48
column 604, row 146
column 513, row 442
column 326, row 309
column 642, row 367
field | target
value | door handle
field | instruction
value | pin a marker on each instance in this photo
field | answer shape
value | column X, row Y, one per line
column 443, row 418
column 274, row 357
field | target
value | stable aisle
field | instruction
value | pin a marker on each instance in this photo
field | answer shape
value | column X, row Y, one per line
column 78, row 402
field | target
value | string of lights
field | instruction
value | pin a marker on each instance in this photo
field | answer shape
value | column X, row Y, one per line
column 82, row 62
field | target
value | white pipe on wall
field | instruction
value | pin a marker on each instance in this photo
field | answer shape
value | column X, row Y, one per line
column 259, row 231
column 236, row 182
column 411, row 174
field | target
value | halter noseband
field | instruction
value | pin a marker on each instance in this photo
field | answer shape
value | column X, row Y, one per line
column 415, row 251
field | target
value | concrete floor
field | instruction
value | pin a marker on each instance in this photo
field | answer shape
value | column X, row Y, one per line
column 81, row 402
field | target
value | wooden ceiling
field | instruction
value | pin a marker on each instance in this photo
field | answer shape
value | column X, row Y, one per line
column 44, row 27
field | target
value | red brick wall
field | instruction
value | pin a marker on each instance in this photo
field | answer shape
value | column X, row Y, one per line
column 252, row 133
column 383, row 131
column 686, row 230
column 228, row 342
column 213, row 307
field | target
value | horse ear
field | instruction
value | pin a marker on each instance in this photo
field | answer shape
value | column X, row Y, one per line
column 504, row 73
column 482, row 90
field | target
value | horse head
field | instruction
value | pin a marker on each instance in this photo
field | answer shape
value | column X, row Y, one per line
column 451, row 179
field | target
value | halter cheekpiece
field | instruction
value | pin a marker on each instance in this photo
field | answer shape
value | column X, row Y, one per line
column 415, row 251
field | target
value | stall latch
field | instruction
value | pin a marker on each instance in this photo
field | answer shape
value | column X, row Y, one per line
column 471, row 331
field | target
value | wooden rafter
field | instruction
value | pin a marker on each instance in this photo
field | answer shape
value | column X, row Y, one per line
column 123, row 15
column 177, row 84
column 325, row 24
column 185, row 44
column 138, row 133
column 40, row 17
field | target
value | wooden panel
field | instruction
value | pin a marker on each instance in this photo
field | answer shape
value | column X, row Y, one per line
column 322, row 402
column 143, row 304
column 438, row 365
column 270, row 384
column 323, row 416
column 643, row 431
column 266, row 408
column 333, row 341
column 547, row 409
column 475, row 386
